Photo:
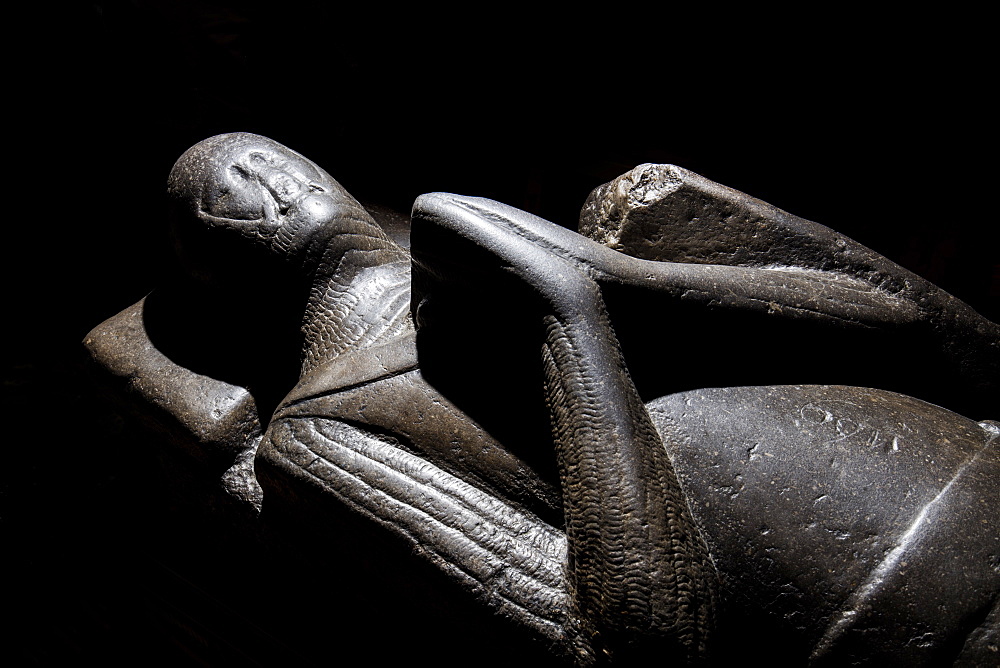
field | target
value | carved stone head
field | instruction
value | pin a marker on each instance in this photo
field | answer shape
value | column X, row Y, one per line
column 241, row 198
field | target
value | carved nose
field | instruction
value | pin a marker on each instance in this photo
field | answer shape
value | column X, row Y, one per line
column 283, row 185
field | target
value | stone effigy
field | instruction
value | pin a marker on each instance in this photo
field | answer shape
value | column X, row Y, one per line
column 549, row 419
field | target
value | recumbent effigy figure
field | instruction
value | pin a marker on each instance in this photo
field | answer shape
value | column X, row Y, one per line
column 547, row 417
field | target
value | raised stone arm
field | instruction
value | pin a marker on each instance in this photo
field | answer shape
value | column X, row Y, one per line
column 639, row 570
column 669, row 214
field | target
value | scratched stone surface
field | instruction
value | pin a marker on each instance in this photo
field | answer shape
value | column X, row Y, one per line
column 819, row 499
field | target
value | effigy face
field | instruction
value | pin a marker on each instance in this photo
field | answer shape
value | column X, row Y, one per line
column 545, row 420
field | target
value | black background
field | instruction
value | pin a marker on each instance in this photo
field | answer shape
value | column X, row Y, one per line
column 875, row 125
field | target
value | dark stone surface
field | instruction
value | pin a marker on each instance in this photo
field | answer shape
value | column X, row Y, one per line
column 625, row 549
column 876, row 141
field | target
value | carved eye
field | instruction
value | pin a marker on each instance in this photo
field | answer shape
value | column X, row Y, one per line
column 233, row 197
column 258, row 159
column 239, row 174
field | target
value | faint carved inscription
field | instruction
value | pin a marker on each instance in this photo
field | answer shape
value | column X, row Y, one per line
column 832, row 421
